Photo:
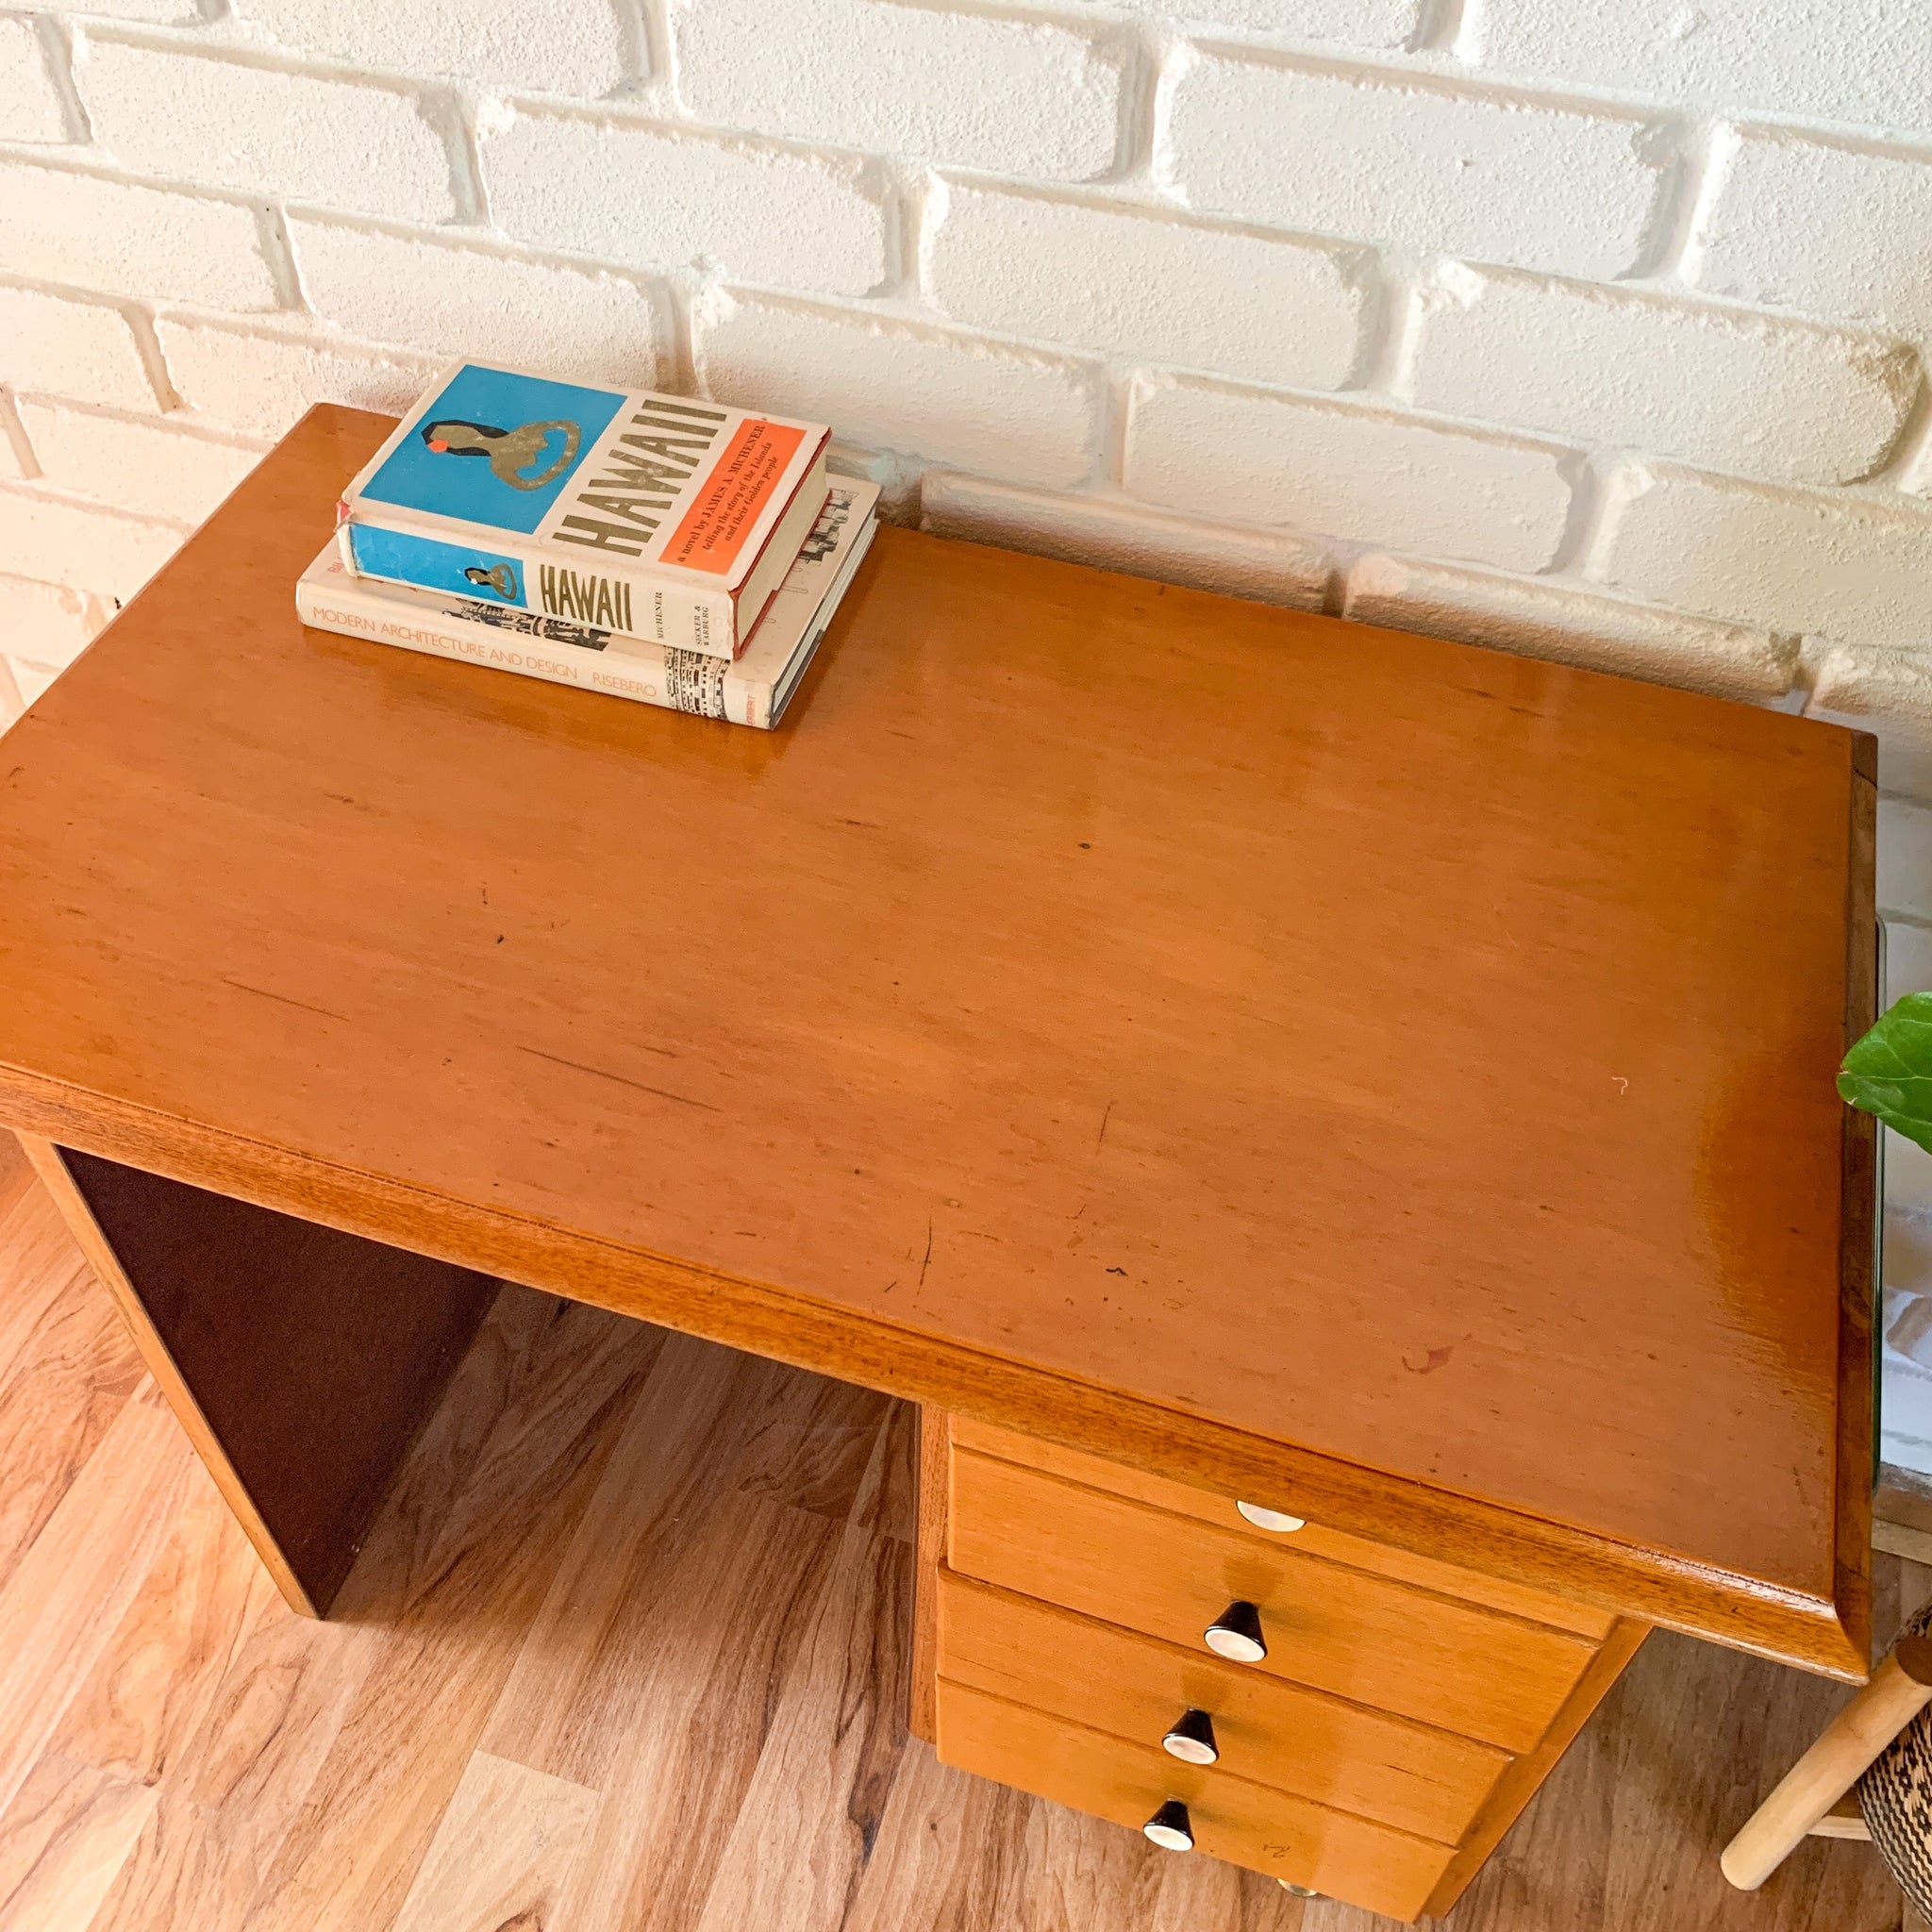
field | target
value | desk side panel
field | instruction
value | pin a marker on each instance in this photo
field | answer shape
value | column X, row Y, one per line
column 300, row 1360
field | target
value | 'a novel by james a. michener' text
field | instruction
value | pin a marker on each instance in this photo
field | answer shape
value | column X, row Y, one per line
column 661, row 517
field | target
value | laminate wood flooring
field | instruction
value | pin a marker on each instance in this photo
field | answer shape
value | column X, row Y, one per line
column 626, row 1652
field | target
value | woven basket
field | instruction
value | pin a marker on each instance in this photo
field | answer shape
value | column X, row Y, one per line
column 1896, row 1795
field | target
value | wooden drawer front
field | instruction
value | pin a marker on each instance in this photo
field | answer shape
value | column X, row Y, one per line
column 1269, row 1831
column 1313, row 1538
column 1366, row 1638
column 1274, row 1733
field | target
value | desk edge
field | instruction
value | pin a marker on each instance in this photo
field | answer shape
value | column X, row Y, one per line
column 1651, row 1586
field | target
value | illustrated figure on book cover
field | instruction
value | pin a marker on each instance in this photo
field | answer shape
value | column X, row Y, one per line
column 502, row 580
column 510, row 452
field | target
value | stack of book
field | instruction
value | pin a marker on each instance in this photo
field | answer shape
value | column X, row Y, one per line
column 674, row 552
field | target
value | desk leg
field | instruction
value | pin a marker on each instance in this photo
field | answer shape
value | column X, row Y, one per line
column 300, row 1360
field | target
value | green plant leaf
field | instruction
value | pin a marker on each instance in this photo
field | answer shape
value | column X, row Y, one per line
column 1888, row 1072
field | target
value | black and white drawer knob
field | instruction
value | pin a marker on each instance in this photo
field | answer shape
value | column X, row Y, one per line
column 1170, row 1828
column 1236, row 1634
column 1191, row 1738
column 1271, row 1519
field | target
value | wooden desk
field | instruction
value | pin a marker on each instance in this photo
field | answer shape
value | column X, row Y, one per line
column 1207, row 1051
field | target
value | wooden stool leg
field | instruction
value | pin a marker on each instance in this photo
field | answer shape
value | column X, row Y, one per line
column 300, row 1360
column 1900, row 1689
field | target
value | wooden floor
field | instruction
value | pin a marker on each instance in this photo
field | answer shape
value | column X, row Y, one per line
column 627, row 1651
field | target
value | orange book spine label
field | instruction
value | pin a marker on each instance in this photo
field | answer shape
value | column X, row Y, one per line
column 734, row 495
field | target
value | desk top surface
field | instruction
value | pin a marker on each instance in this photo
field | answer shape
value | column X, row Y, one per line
column 1217, row 1035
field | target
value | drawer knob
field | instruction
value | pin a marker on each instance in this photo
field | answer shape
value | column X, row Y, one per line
column 1191, row 1738
column 1236, row 1634
column 1170, row 1828
column 1271, row 1519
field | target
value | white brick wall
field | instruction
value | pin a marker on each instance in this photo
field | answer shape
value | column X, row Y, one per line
column 903, row 386
column 1344, row 470
column 1754, row 393
column 225, row 124
column 31, row 109
column 753, row 210
column 1391, row 158
column 1596, row 332
column 1826, row 229
column 1146, row 289
column 431, row 294
column 1016, row 95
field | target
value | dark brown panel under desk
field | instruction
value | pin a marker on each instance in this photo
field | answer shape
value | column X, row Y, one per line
column 313, row 1356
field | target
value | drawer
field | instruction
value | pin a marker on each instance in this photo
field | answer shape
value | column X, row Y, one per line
column 1316, row 1540
column 1270, row 1732
column 1350, row 1859
column 1380, row 1642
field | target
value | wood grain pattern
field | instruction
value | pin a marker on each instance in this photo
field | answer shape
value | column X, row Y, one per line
column 1106, row 1679
column 507, row 1840
column 1404, row 920
column 1313, row 1538
column 805, row 1621
column 1254, row 1825
column 1524, row 1775
column 934, row 1488
column 64, row 1599
column 1381, row 1644
column 16, row 1173
column 63, row 1841
column 72, row 1365
column 152, row 1685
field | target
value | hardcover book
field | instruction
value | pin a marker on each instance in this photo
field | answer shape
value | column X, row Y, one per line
column 660, row 517
column 751, row 690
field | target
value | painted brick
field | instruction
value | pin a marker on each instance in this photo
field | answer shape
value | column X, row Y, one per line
column 134, row 462
column 1014, row 96
column 1860, row 61
column 1533, row 618
column 1904, row 860
column 545, row 46
column 1145, row 285
column 1782, row 399
column 950, row 398
column 11, row 703
column 1806, row 226
column 13, row 464
column 1845, row 567
column 1888, row 693
column 86, row 350
column 1380, row 24
column 1411, row 165
column 229, row 125
column 30, row 108
column 31, row 680
column 135, row 241
column 1123, row 537
column 462, row 301
column 1344, row 471
column 752, row 212
column 156, row 12
column 48, row 623
column 82, row 546
column 261, row 383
